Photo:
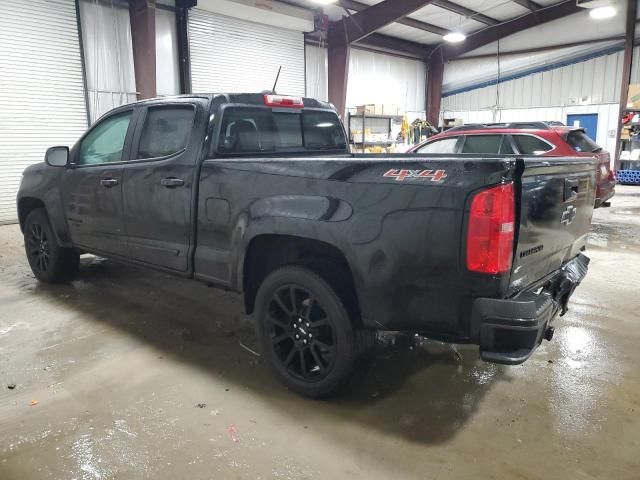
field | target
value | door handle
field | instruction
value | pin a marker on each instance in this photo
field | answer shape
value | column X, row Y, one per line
column 108, row 182
column 172, row 182
column 571, row 186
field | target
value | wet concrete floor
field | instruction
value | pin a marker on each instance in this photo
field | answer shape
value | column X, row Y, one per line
column 140, row 375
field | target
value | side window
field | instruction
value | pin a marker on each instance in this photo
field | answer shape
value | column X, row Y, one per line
column 166, row 131
column 580, row 142
column 482, row 144
column 445, row 145
column 530, row 145
column 105, row 142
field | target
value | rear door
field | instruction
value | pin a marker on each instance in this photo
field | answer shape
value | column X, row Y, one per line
column 92, row 187
column 158, row 183
column 555, row 209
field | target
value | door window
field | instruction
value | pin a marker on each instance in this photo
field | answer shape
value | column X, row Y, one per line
column 105, row 142
column 445, row 145
column 531, row 145
column 166, row 131
column 482, row 144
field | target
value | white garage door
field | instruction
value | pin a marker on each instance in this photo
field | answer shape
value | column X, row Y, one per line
column 232, row 55
column 41, row 89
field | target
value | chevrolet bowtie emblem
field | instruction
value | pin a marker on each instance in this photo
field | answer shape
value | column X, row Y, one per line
column 568, row 215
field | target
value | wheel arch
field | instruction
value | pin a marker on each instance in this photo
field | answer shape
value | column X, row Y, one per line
column 268, row 252
column 25, row 206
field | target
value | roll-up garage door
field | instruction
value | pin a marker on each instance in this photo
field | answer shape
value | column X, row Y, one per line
column 42, row 99
column 232, row 55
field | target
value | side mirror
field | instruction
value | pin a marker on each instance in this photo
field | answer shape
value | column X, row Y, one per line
column 57, row 156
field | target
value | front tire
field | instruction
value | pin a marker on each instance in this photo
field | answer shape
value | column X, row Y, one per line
column 49, row 262
column 307, row 336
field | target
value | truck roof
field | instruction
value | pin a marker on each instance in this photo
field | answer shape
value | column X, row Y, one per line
column 243, row 98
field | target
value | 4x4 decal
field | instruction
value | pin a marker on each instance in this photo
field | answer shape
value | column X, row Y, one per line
column 401, row 174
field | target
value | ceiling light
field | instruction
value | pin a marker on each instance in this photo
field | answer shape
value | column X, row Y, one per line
column 454, row 37
column 602, row 12
column 324, row 2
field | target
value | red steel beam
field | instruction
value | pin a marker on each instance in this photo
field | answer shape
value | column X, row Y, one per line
column 409, row 22
column 433, row 95
column 492, row 34
column 375, row 17
column 626, row 71
column 142, row 16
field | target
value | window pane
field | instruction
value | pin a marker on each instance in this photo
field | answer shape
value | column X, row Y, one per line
column 254, row 130
column 530, row 145
column 446, row 145
column 580, row 142
column 322, row 131
column 482, row 144
column 505, row 147
column 105, row 142
column 166, row 131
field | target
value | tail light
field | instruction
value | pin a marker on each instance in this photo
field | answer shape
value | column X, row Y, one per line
column 283, row 101
column 491, row 230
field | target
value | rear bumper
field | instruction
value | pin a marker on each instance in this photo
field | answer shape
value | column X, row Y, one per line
column 605, row 194
column 509, row 330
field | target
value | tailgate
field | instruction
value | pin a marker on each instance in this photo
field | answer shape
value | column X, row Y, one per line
column 556, row 205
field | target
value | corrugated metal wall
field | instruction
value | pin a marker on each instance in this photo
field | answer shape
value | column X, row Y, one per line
column 233, row 55
column 595, row 81
column 635, row 66
column 373, row 78
column 42, row 99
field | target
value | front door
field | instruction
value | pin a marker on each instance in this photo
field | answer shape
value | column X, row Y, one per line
column 92, row 186
column 158, row 184
column 588, row 121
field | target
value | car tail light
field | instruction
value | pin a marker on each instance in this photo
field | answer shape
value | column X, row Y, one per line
column 491, row 230
column 283, row 101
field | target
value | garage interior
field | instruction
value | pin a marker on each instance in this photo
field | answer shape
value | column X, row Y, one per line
column 130, row 373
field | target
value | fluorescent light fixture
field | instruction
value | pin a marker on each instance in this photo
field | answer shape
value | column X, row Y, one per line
column 601, row 13
column 324, row 2
column 454, row 37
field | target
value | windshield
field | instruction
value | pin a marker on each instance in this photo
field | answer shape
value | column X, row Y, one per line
column 580, row 142
column 249, row 130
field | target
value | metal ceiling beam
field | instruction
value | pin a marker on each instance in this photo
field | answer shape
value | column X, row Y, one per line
column 465, row 12
column 393, row 45
column 626, row 71
column 409, row 22
column 528, row 4
column 367, row 21
column 497, row 32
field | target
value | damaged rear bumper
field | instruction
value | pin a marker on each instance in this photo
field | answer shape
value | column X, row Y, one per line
column 509, row 330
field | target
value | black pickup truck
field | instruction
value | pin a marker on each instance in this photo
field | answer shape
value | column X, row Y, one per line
column 258, row 193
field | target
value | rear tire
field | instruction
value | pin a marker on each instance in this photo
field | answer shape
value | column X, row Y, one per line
column 49, row 262
column 307, row 337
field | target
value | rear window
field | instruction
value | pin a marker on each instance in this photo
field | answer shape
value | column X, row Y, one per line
column 580, row 142
column 265, row 130
column 530, row 145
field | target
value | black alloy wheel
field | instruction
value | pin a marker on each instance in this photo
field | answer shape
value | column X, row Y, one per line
column 301, row 333
column 49, row 262
column 38, row 248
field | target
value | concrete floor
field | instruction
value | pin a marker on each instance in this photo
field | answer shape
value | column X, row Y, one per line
column 141, row 375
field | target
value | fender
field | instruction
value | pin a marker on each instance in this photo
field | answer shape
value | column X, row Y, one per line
column 289, row 215
column 42, row 183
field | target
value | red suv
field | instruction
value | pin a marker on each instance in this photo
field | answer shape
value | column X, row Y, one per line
column 532, row 138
